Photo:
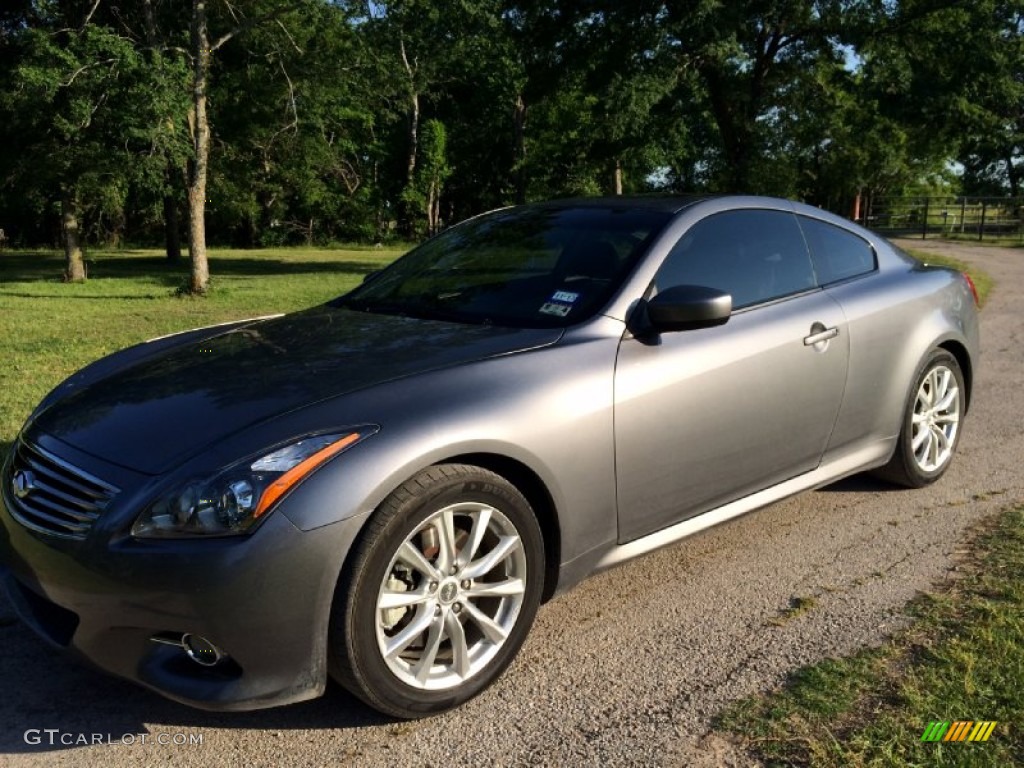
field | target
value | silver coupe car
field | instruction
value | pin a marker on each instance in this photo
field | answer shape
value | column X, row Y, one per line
column 383, row 489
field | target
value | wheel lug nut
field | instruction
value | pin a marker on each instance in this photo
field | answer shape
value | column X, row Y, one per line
column 437, row 611
column 433, row 586
column 457, row 607
column 465, row 584
column 453, row 570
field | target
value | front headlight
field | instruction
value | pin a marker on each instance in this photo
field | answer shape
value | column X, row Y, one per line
column 234, row 500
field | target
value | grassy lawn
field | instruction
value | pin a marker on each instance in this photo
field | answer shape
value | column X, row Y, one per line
column 49, row 329
column 1002, row 241
column 962, row 659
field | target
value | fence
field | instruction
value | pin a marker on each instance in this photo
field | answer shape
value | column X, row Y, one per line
column 977, row 218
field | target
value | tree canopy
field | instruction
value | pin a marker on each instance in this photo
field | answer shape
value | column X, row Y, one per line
column 271, row 121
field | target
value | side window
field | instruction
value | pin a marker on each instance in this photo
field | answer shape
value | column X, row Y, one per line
column 837, row 254
column 754, row 255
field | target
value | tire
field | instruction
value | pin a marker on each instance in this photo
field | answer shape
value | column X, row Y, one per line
column 424, row 620
column 930, row 430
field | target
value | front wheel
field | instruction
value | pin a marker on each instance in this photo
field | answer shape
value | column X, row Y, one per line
column 931, row 424
column 440, row 593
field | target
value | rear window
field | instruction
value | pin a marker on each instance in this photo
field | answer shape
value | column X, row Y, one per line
column 837, row 253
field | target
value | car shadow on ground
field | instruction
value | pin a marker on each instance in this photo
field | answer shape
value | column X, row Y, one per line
column 47, row 689
column 862, row 483
column 44, row 267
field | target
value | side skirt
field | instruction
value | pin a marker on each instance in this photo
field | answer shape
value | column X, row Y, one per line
column 866, row 457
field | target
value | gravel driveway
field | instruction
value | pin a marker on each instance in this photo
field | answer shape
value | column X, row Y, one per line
column 627, row 669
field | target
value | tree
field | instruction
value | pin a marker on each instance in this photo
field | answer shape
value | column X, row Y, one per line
column 168, row 73
column 746, row 57
column 201, row 50
column 282, row 121
column 420, row 42
column 953, row 76
column 80, row 106
column 299, row 140
column 431, row 173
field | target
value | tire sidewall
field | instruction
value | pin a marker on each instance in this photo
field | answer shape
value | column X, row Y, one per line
column 387, row 691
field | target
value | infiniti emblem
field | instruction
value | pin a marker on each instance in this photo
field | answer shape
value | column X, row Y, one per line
column 23, row 483
column 449, row 591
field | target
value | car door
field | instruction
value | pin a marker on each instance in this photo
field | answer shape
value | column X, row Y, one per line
column 706, row 416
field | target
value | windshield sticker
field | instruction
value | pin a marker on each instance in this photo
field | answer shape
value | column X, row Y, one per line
column 554, row 308
column 566, row 296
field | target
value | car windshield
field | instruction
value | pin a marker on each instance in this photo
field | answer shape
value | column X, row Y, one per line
column 532, row 267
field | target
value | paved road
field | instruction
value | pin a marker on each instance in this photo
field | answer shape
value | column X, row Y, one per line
column 627, row 669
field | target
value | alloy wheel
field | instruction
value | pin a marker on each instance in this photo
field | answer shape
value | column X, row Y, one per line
column 451, row 596
column 936, row 419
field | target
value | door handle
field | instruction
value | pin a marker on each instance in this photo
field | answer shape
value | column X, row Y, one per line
column 820, row 336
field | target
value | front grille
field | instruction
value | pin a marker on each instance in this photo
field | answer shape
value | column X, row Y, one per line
column 51, row 496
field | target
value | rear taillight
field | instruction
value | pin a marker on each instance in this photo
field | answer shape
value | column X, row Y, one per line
column 974, row 290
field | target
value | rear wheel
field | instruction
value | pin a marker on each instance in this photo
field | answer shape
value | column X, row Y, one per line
column 440, row 594
column 931, row 424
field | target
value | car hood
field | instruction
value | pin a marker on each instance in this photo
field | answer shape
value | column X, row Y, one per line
column 151, row 415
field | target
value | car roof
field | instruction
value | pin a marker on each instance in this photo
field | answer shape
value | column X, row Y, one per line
column 665, row 203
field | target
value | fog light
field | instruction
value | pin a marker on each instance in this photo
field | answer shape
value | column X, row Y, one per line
column 201, row 650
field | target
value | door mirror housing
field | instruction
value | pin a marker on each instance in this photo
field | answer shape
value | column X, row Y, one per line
column 688, row 307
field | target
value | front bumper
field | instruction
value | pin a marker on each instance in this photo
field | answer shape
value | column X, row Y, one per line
column 264, row 599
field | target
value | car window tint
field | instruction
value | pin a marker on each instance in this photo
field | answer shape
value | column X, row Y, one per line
column 837, row 253
column 536, row 267
column 754, row 255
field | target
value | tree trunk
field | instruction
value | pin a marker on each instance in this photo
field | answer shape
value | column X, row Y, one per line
column 617, row 177
column 74, row 271
column 520, row 148
column 433, row 208
column 1012, row 176
column 414, row 116
column 172, row 237
column 407, row 211
column 414, row 130
column 199, row 278
column 733, row 131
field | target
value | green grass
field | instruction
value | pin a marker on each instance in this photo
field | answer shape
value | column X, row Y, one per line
column 999, row 241
column 961, row 659
column 797, row 607
column 982, row 280
column 49, row 329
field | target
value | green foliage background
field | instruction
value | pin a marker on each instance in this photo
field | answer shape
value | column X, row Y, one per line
column 312, row 101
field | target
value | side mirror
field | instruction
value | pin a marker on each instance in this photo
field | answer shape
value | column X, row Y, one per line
column 688, row 307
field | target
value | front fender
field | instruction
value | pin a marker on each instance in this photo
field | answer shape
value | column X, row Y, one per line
column 548, row 409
